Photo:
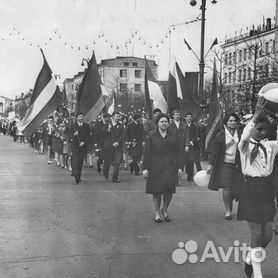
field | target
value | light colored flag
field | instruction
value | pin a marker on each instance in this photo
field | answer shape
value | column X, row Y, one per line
column 46, row 97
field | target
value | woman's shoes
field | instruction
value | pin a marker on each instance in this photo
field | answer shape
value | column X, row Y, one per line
column 165, row 216
column 158, row 220
column 228, row 216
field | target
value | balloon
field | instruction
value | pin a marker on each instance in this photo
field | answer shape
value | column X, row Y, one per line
column 270, row 93
column 201, row 178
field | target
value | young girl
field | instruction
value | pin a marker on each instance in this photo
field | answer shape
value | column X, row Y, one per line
column 256, row 202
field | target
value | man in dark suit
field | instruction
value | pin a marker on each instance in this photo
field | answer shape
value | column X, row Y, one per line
column 100, row 137
column 113, row 143
column 135, row 136
column 177, row 126
column 79, row 136
column 190, row 139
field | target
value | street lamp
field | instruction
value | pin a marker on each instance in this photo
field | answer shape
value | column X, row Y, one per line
column 202, row 59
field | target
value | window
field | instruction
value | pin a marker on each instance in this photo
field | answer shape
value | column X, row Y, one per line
column 266, row 48
column 239, row 75
column 230, row 58
column 123, row 73
column 137, row 88
column 234, row 77
column 245, row 54
column 138, row 73
column 234, row 57
column 273, row 46
column 134, row 64
column 123, row 87
column 244, row 75
column 266, row 71
column 240, row 56
column 260, row 72
column 225, row 78
column 230, row 77
column 226, row 59
column 126, row 64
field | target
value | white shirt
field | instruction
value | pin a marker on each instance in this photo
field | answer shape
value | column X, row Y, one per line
column 231, row 146
column 177, row 124
column 261, row 166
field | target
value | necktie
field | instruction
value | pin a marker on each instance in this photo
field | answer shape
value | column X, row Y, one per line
column 255, row 151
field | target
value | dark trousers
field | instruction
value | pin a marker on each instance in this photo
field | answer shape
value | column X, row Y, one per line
column 116, row 159
column 134, row 164
column 190, row 168
column 77, row 161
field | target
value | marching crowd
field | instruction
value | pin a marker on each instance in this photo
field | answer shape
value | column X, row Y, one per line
column 242, row 161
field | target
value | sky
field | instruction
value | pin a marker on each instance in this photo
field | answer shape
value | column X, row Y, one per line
column 69, row 30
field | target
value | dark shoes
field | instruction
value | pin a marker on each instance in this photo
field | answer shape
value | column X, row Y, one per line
column 77, row 179
column 116, row 181
column 248, row 269
column 166, row 217
column 158, row 220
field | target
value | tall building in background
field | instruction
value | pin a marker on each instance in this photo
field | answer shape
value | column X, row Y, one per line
column 248, row 63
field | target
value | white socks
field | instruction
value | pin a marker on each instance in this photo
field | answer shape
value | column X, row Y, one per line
column 257, row 256
column 248, row 256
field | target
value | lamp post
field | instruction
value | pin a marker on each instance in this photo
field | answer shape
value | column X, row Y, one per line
column 202, row 59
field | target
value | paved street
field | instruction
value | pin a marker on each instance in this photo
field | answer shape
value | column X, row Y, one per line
column 51, row 227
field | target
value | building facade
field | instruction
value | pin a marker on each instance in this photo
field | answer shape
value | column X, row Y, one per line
column 123, row 75
column 247, row 64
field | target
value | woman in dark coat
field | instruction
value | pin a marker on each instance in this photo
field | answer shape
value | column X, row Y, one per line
column 162, row 163
column 224, row 162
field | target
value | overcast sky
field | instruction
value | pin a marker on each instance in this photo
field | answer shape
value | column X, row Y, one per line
column 61, row 27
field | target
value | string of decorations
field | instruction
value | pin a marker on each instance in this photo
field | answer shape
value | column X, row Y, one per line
column 135, row 38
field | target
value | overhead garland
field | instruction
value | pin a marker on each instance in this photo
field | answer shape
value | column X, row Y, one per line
column 135, row 38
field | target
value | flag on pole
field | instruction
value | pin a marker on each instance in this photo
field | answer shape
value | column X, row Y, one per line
column 89, row 96
column 215, row 112
column 46, row 97
column 191, row 100
column 174, row 96
column 153, row 93
column 112, row 105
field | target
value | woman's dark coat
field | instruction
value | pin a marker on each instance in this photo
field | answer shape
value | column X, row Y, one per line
column 162, row 158
column 216, row 158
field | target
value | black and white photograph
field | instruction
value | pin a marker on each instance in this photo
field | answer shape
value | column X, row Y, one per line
column 138, row 139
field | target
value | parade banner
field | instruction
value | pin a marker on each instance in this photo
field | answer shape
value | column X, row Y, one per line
column 153, row 92
column 89, row 96
column 174, row 96
column 45, row 99
column 215, row 112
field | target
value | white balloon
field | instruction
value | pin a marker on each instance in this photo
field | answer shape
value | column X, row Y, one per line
column 201, row 178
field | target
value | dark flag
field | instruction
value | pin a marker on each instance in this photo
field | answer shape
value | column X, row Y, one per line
column 89, row 97
column 46, row 97
column 215, row 112
column 189, row 88
column 191, row 100
column 174, row 95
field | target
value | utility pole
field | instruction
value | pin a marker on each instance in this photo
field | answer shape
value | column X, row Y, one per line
column 253, row 104
column 276, row 41
column 202, row 60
